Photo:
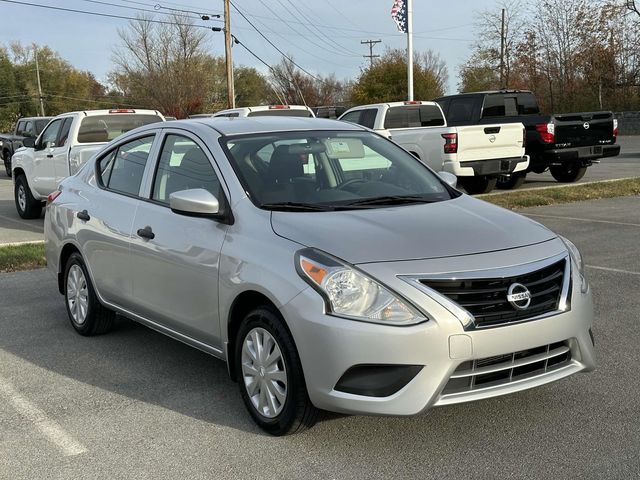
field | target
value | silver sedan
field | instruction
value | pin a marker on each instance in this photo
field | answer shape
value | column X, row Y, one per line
column 328, row 267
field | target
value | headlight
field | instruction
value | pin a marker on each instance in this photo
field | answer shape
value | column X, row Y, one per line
column 350, row 293
column 576, row 256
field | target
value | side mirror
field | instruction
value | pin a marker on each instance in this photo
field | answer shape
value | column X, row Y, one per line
column 196, row 202
column 450, row 178
column 29, row 142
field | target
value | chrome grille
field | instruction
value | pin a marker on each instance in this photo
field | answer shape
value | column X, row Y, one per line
column 486, row 298
column 503, row 369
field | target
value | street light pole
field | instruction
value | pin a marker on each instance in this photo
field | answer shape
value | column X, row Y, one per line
column 231, row 97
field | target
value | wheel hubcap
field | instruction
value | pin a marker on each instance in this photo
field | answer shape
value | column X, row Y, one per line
column 22, row 198
column 77, row 294
column 264, row 372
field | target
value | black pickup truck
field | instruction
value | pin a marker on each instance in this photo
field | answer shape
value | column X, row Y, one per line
column 25, row 127
column 565, row 143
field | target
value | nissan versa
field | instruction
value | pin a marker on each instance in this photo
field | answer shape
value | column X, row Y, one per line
column 327, row 266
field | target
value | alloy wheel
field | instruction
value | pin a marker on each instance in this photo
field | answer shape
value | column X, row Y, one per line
column 22, row 198
column 77, row 294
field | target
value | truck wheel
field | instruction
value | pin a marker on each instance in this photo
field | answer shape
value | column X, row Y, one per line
column 27, row 206
column 568, row 172
column 88, row 317
column 478, row 185
column 513, row 181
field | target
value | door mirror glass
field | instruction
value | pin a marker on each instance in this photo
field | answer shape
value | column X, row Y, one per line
column 29, row 142
column 196, row 202
column 450, row 178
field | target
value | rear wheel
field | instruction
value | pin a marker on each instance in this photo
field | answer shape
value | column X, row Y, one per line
column 478, row 185
column 568, row 172
column 87, row 315
column 271, row 380
column 27, row 206
column 513, row 181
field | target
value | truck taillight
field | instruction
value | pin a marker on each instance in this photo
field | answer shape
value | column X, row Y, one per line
column 450, row 142
column 547, row 132
column 615, row 128
column 53, row 195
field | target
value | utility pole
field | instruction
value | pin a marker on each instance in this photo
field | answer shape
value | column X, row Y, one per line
column 502, row 39
column 35, row 51
column 371, row 56
column 231, row 97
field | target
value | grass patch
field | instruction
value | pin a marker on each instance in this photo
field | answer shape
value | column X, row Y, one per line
column 565, row 194
column 28, row 256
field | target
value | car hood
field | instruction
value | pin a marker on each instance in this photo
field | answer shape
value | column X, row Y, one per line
column 462, row 226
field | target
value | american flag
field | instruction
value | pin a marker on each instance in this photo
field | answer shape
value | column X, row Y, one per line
column 399, row 14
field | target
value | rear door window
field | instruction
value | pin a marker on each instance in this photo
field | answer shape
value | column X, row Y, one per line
column 121, row 170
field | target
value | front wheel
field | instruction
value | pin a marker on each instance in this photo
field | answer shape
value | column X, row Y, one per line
column 87, row 315
column 511, row 182
column 568, row 172
column 478, row 185
column 27, row 206
column 270, row 375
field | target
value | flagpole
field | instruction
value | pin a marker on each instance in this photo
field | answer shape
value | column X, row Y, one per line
column 410, row 49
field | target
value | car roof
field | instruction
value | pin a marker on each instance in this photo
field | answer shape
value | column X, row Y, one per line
column 484, row 92
column 393, row 104
column 242, row 125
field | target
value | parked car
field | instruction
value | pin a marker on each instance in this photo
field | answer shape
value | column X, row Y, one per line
column 566, row 144
column 267, row 111
column 326, row 265
column 10, row 142
column 62, row 148
column 477, row 155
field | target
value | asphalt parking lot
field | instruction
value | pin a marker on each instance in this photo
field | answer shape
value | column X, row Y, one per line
column 134, row 404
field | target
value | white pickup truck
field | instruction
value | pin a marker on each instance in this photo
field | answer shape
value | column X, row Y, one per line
column 65, row 144
column 476, row 154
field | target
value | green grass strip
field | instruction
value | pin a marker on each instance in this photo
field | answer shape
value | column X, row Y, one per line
column 536, row 197
column 27, row 256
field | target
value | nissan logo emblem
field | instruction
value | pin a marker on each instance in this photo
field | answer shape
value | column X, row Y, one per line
column 519, row 296
column 492, row 138
column 586, row 125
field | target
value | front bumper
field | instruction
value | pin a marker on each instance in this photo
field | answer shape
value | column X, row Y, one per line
column 329, row 346
column 493, row 167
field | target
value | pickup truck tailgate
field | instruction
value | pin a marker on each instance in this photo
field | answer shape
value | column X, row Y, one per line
column 584, row 129
column 486, row 142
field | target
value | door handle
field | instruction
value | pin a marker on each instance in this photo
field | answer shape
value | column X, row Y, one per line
column 83, row 215
column 49, row 156
column 147, row 233
column 490, row 130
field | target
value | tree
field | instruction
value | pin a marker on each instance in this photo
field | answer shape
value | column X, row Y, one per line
column 167, row 67
column 251, row 87
column 386, row 79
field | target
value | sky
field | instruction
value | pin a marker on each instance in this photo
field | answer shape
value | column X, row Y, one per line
column 331, row 46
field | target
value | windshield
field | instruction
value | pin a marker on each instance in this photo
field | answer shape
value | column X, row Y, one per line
column 104, row 128
column 312, row 171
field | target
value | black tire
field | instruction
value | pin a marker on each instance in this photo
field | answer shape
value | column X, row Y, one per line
column 27, row 206
column 513, row 181
column 97, row 319
column 568, row 172
column 478, row 185
column 297, row 412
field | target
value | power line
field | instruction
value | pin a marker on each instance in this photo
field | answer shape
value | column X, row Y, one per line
column 137, row 9
column 97, row 14
column 158, row 6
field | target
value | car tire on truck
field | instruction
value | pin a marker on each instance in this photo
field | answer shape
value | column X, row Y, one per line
column 511, row 182
column 27, row 206
column 568, row 172
column 478, row 185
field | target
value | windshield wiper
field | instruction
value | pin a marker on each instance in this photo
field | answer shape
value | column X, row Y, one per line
column 296, row 207
column 392, row 200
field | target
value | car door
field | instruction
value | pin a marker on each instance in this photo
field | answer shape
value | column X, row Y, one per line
column 175, row 273
column 61, row 151
column 44, row 173
column 105, row 225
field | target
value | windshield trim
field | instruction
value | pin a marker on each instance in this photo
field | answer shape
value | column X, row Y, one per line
column 224, row 139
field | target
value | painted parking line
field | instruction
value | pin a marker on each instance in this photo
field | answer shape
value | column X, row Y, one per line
column 36, row 228
column 47, row 427
column 614, row 270
column 559, row 217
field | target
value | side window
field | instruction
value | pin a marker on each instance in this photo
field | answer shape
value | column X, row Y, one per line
column 353, row 117
column 122, row 169
column 64, row 132
column 368, row 117
column 28, row 129
column 493, row 106
column 20, row 128
column 50, row 134
column 460, row 110
column 183, row 166
column 527, row 104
